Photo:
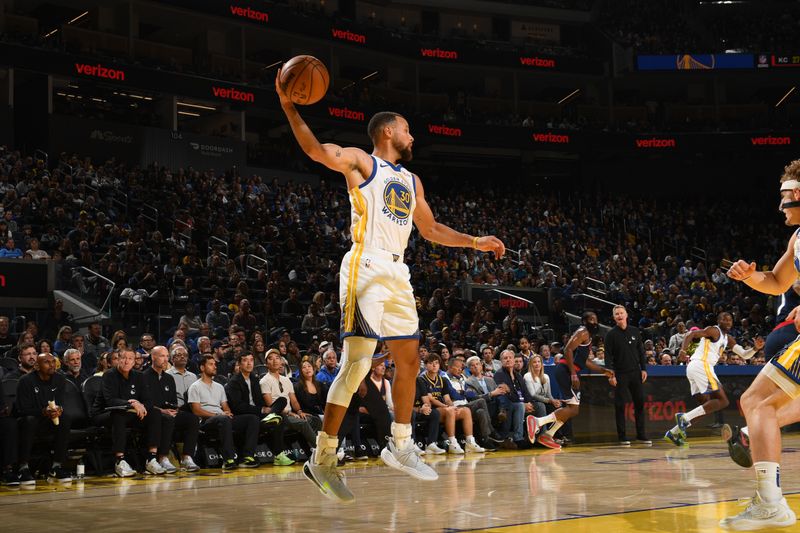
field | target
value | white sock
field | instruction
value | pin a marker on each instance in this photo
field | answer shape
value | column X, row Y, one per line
column 768, row 478
column 746, row 432
column 696, row 412
column 401, row 434
column 546, row 419
column 471, row 439
column 453, row 441
column 325, row 445
column 555, row 427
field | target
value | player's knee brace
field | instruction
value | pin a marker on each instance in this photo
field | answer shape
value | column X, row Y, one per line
column 356, row 364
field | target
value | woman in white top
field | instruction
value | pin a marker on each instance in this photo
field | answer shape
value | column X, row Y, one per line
column 538, row 385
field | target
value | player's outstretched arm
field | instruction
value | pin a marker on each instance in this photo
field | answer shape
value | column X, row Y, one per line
column 447, row 236
column 354, row 163
column 709, row 333
column 775, row 281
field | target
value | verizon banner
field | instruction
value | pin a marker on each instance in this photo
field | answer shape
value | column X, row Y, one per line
column 525, row 300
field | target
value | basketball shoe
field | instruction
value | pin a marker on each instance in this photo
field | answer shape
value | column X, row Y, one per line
column 407, row 460
column 738, row 445
column 760, row 514
column 321, row 470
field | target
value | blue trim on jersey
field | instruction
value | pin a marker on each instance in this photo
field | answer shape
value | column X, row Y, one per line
column 354, row 334
column 396, row 168
column 400, row 337
column 414, row 183
column 786, row 371
column 374, row 171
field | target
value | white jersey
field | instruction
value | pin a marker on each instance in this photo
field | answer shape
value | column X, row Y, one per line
column 382, row 208
column 709, row 352
column 797, row 252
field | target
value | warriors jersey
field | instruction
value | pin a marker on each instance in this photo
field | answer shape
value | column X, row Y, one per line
column 797, row 251
column 708, row 351
column 382, row 208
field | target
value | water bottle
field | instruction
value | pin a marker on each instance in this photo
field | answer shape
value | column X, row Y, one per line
column 80, row 470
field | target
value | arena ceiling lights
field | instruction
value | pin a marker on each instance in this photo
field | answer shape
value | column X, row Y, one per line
column 189, row 109
column 73, row 21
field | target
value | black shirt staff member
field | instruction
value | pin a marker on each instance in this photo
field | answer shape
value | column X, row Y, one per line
column 125, row 387
column 164, row 399
column 40, row 397
column 625, row 356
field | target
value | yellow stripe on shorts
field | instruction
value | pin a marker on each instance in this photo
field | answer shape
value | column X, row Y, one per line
column 712, row 383
column 358, row 237
column 790, row 355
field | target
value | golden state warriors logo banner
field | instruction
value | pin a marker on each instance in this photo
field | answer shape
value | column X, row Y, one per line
column 397, row 202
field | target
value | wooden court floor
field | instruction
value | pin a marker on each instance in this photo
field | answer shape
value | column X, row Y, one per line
column 605, row 489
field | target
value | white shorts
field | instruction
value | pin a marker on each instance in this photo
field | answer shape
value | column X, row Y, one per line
column 702, row 378
column 376, row 297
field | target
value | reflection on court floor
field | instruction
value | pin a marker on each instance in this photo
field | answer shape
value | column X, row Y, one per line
column 580, row 489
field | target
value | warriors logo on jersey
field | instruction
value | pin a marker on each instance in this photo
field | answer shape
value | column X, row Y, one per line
column 397, row 202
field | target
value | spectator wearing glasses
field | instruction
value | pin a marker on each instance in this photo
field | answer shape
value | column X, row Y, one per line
column 146, row 344
column 183, row 377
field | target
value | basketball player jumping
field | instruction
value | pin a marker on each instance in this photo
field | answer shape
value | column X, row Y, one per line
column 704, row 383
column 774, row 392
column 576, row 358
column 374, row 283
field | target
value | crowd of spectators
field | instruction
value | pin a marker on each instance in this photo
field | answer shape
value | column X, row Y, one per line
column 271, row 292
column 283, row 242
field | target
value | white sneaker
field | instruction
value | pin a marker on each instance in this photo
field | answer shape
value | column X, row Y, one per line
column 455, row 448
column 419, row 450
column 123, row 469
column 473, row 447
column 152, row 467
column 407, row 461
column 434, row 449
column 760, row 514
column 188, row 464
column 168, row 467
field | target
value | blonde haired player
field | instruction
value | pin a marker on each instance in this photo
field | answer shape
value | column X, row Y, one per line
column 769, row 402
column 374, row 284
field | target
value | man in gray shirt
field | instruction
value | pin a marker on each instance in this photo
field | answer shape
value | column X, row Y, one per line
column 207, row 400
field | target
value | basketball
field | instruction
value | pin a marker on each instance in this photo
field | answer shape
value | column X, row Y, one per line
column 305, row 79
